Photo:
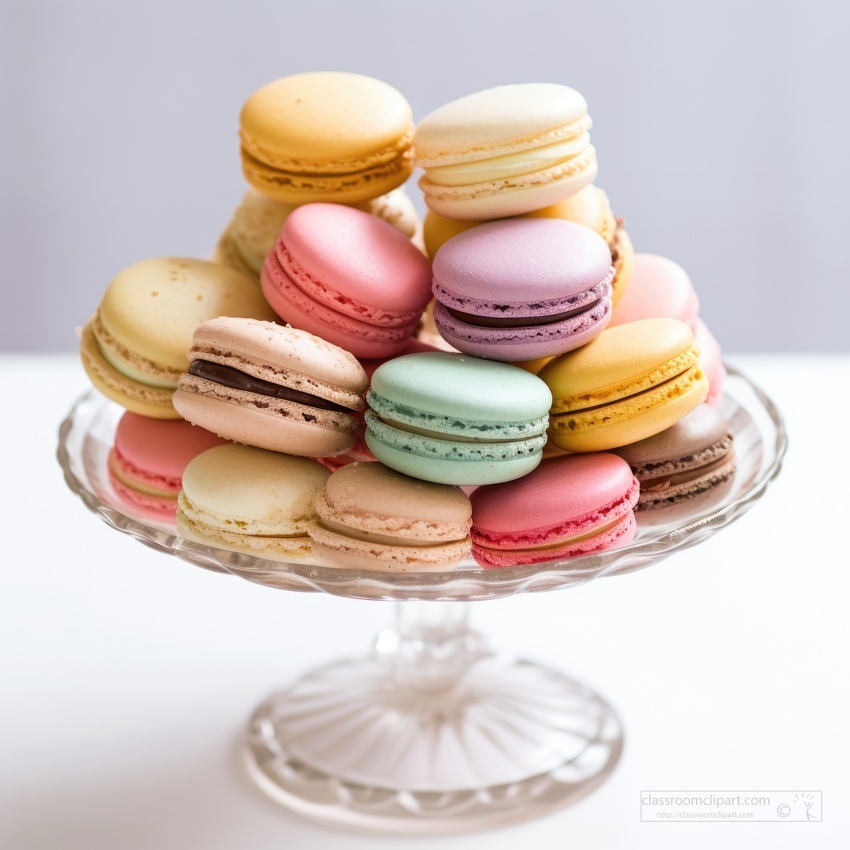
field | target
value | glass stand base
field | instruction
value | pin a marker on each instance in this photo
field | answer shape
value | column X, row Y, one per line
column 354, row 744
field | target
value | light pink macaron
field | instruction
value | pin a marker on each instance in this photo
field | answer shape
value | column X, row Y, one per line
column 348, row 277
column 658, row 289
column 711, row 361
column 146, row 462
column 571, row 505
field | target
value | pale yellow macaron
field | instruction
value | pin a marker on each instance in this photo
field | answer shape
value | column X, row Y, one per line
column 629, row 383
column 589, row 206
column 326, row 136
column 505, row 151
column 258, row 219
column 134, row 348
column 251, row 500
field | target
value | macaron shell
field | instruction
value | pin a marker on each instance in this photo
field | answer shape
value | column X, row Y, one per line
column 622, row 254
column 492, row 262
column 496, row 122
column 156, row 508
column 463, row 387
column 300, row 117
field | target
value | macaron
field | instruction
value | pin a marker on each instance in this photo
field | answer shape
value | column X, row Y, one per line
column 326, row 136
column 349, row 278
column 659, row 288
column 454, row 419
column 589, row 207
column 370, row 517
column 250, row 500
column 505, row 151
column 134, row 348
column 271, row 386
column 570, row 505
column 522, row 288
column 147, row 460
column 360, row 451
column 257, row 221
column 711, row 361
column 689, row 458
column 629, row 383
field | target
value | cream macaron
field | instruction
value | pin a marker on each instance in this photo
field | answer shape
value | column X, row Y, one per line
column 134, row 348
column 505, row 151
column 251, row 500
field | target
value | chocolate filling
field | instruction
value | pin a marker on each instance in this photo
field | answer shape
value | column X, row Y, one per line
column 520, row 321
column 233, row 378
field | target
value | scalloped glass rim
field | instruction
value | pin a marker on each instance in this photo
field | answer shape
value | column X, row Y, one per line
column 753, row 418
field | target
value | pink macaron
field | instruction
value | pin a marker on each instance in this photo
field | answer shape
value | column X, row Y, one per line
column 572, row 505
column 658, row 289
column 348, row 277
column 146, row 462
column 711, row 361
column 522, row 288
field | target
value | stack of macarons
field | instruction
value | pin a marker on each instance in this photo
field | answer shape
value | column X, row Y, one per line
column 327, row 136
column 319, row 418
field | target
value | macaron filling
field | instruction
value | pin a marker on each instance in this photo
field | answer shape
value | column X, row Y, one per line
column 513, row 164
column 410, row 442
column 235, row 379
column 414, row 420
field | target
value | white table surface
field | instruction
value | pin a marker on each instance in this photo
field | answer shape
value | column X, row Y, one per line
column 127, row 676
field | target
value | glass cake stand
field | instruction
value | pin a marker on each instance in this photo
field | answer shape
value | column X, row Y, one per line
column 433, row 732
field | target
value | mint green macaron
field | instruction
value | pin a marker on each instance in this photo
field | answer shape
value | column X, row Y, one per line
column 455, row 419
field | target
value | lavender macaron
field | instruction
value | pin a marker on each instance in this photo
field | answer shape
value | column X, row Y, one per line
column 519, row 289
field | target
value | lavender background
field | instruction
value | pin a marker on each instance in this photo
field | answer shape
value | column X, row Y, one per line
column 722, row 131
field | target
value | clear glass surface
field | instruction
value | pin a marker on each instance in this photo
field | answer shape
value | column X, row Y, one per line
column 433, row 733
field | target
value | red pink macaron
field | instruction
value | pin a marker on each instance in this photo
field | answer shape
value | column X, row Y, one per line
column 348, row 278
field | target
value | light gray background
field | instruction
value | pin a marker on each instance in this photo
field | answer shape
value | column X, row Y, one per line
column 722, row 130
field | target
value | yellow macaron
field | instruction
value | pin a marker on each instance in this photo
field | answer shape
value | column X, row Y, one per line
column 134, row 348
column 589, row 206
column 326, row 136
column 629, row 383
